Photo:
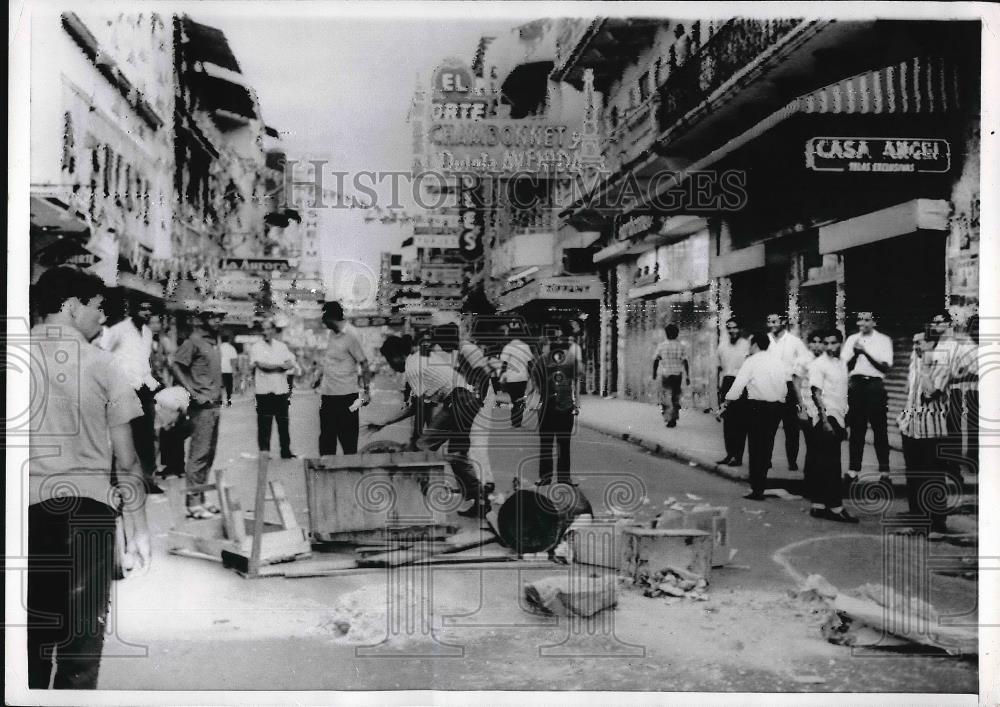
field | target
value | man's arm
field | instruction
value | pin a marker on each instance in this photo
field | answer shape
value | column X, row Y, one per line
column 408, row 411
column 133, row 491
column 877, row 359
column 739, row 384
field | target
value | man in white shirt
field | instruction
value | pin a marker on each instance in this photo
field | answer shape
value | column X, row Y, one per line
column 795, row 356
column 764, row 377
column 868, row 354
column 338, row 384
column 131, row 343
column 514, row 360
column 228, row 354
column 733, row 351
column 828, row 386
column 271, row 360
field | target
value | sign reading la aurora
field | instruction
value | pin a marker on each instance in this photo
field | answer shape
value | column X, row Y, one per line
column 878, row 154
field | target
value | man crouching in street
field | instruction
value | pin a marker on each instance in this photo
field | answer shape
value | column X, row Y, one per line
column 433, row 376
column 88, row 406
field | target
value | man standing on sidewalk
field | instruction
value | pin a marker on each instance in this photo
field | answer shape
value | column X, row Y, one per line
column 828, row 387
column 868, row 354
column 198, row 367
column 338, row 411
column 557, row 373
column 130, row 341
column 807, row 409
column 88, row 403
column 271, row 360
column 227, row 352
column 958, row 353
column 765, row 378
column 733, row 351
column 671, row 363
column 514, row 360
column 790, row 350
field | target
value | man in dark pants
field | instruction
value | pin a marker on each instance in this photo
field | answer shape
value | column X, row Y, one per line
column 557, row 373
column 338, row 411
column 869, row 357
column 131, row 343
column 198, row 367
column 795, row 356
column 807, row 410
column 72, row 498
column 671, row 367
column 270, row 359
column 733, row 351
column 765, row 379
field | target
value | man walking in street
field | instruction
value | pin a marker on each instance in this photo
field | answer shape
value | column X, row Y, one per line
column 198, row 367
column 557, row 373
column 790, row 350
column 514, row 360
column 923, row 424
column 338, row 385
column 765, row 379
column 868, row 354
column 228, row 354
column 733, row 351
column 89, row 403
column 130, row 341
column 271, row 360
column 670, row 363
column 828, row 406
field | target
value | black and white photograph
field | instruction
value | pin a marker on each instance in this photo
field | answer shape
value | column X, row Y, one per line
column 502, row 352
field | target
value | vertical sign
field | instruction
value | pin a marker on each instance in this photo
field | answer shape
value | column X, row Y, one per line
column 470, row 240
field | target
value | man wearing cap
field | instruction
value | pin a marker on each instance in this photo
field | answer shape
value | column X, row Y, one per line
column 198, row 367
column 338, row 385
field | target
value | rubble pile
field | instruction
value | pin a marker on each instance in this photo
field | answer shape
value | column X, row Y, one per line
column 673, row 583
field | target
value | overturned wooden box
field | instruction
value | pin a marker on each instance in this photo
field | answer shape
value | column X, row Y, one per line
column 377, row 497
column 651, row 550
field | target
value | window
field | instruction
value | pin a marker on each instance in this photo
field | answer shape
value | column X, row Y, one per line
column 657, row 68
column 644, row 87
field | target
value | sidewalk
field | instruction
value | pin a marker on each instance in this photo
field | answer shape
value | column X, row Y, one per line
column 697, row 439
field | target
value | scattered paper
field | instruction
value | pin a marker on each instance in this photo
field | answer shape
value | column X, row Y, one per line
column 693, row 497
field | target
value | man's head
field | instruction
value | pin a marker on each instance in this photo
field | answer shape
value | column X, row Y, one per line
column 671, row 331
column 922, row 344
column 268, row 330
column 69, row 296
column 815, row 343
column 333, row 317
column 209, row 321
column 142, row 312
column 776, row 322
column 395, row 349
column 832, row 341
column 759, row 342
column 733, row 329
column 446, row 336
column 866, row 322
column 940, row 324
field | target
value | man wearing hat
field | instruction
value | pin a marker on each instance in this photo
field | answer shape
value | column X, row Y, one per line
column 198, row 367
column 338, row 385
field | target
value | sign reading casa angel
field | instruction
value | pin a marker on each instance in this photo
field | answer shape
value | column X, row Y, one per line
column 878, row 154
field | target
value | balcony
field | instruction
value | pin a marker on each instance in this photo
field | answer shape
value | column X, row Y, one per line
column 736, row 45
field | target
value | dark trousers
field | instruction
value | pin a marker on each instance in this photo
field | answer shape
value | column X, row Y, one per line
column 822, row 467
column 670, row 397
column 964, row 404
column 144, row 432
column 516, row 392
column 451, row 423
column 791, row 424
column 272, row 406
column 423, row 411
column 227, row 383
column 555, row 426
column 172, row 447
column 926, row 474
column 201, row 451
column 734, row 426
column 338, row 424
column 762, row 424
column 868, row 404
column 70, row 565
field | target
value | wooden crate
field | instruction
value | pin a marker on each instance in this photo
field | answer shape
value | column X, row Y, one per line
column 654, row 549
column 367, row 495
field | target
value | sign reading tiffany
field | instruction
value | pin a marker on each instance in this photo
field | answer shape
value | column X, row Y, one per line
column 878, row 154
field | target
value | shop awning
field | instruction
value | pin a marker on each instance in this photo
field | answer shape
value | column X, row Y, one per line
column 921, row 85
column 899, row 220
column 557, row 288
column 208, row 44
column 221, row 94
column 673, row 228
column 664, row 287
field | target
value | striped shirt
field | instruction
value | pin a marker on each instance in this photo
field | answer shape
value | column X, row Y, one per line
column 433, row 376
column 925, row 417
column 671, row 354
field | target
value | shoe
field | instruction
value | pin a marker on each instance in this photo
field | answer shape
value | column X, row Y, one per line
column 152, row 488
column 841, row 516
column 817, row 512
column 752, row 496
column 199, row 513
column 290, row 455
column 736, row 462
column 229, row 403
column 476, row 510
column 792, row 466
column 728, row 461
column 213, row 509
column 672, row 423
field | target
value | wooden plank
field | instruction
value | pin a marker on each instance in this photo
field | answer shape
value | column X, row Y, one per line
column 285, row 512
column 263, row 458
column 238, row 532
column 317, row 567
column 385, row 535
column 197, row 543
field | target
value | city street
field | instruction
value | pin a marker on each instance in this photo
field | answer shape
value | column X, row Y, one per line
column 191, row 624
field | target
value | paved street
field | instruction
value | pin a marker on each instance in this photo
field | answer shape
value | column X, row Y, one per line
column 191, row 624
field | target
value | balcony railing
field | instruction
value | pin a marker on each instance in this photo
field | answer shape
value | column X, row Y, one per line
column 735, row 45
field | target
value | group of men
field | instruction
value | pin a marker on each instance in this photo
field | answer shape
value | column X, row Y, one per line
column 833, row 390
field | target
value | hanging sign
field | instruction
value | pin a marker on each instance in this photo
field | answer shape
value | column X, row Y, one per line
column 878, row 155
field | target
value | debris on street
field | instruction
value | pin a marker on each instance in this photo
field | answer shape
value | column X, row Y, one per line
column 571, row 594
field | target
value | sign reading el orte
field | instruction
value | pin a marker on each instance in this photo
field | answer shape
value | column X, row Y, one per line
column 878, row 154
column 455, row 94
